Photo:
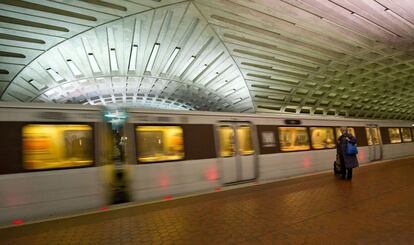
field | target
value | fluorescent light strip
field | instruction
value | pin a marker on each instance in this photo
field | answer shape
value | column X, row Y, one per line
column 171, row 59
column 153, row 55
column 133, row 59
column 344, row 27
column 389, row 11
column 219, row 85
column 112, row 56
column 229, row 92
column 37, row 85
column 283, row 79
column 237, row 100
column 94, row 64
column 66, row 86
column 54, row 75
column 379, row 26
column 276, row 97
column 73, row 68
column 192, row 58
column 51, row 92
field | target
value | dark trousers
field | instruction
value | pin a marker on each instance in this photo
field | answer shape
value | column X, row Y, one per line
column 346, row 173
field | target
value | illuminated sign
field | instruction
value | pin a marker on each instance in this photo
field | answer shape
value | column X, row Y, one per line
column 293, row 121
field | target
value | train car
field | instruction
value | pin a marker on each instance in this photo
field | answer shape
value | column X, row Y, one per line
column 51, row 160
column 59, row 159
column 176, row 153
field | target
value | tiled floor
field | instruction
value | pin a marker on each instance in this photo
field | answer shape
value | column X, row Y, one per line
column 377, row 207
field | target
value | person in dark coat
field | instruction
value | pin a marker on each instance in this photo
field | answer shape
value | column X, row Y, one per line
column 348, row 162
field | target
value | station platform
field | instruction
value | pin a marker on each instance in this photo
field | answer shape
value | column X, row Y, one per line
column 376, row 207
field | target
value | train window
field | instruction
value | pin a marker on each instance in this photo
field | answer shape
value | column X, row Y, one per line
column 226, row 141
column 47, row 146
column 159, row 143
column 322, row 137
column 395, row 136
column 339, row 132
column 374, row 136
column 293, row 138
column 406, row 134
column 245, row 140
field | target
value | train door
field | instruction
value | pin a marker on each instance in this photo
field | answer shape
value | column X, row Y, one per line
column 236, row 152
column 374, row 144
column 117, row 171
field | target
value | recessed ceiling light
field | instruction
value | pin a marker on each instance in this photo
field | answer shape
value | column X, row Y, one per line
column 73, row 68
column 94, row 64
column 37, row 85
column 229, row 92
column 171, row 59
column 54, row 75
column 374, row 23
column 389, row 11
column 219, row 85
column 133, row 58
column 190, row 60
column 237, row 100
column 51, row 92
column 112, row 57
column 153, row 55
column 66, row 85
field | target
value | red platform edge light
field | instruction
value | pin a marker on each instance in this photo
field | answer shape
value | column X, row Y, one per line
column 217, row 189
column 18, row 222
column 103, row 209
column 168, row 198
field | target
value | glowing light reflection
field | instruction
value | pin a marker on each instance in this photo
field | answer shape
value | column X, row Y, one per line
column 18, row 222
column 212, row 173
column 306, row 162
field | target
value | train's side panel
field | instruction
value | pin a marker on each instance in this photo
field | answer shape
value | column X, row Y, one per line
column 158, row 180
column 43, row 194
column 279, row 165
column 276, row 166
column 391, row 151
column 283, row 165
column 165, row 180
column 31, row 194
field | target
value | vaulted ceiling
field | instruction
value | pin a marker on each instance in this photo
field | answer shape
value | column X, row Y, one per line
column 332, row 57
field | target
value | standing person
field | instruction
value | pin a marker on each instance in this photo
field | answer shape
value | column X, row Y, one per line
column 348, row 161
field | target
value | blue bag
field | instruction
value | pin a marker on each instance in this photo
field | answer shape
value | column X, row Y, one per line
column 351, row 149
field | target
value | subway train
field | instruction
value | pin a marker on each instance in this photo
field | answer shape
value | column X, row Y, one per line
column 59, row 159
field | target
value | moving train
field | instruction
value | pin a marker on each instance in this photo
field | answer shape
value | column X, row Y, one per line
column 59, row 159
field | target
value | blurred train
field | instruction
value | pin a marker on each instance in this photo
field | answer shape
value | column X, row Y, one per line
column 59, row 159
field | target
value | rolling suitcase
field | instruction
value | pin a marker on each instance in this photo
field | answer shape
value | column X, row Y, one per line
column 337, row 167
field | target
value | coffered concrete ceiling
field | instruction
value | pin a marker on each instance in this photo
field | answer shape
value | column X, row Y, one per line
column 333, row 57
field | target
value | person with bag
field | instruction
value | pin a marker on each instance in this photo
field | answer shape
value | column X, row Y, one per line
column 347, row 153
